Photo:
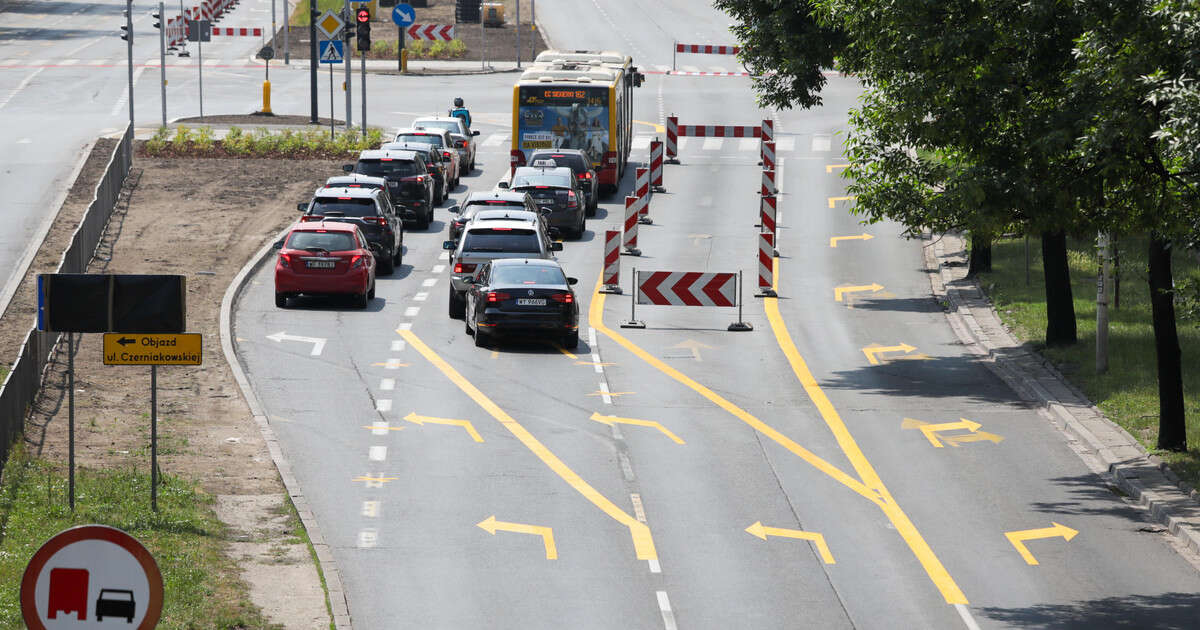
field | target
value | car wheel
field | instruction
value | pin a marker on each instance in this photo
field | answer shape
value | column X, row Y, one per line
column 423, row 224
column 591, row 211
column 578, row 234
column 481, row 339
column 472, row 164
column 398, row 255
column 457, row 305
column 371, row 293
column 281, row 300
column 387, row 264
column 361, row 300
column 571, row 340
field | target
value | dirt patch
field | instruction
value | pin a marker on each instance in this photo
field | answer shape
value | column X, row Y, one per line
column 203, row 218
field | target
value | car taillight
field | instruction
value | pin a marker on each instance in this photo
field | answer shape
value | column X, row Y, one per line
column 585, row 176
column 376, row 220
column 571, row 203
column 461, row 144
column 285, row 260
column 494, row 297
column 356, row 261
column 446, row 154
column 464, row 268
column 311, row 217
column 565, row 298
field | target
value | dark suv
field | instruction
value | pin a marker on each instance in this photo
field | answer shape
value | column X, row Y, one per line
column 555, row 188
column 581, row 164
column 435, row 162
column 410, row 185
column 371, row 211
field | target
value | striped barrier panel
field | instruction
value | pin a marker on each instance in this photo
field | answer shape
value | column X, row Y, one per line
column 767, row 214
column 720, row 131
column 230, row 31
column 768, row 135
column 656, row 165
column 612, row 262
column 678, row 288
column 766, row 265
column 768, row 156
column 707, row 49
column 631, row 227
column 672, row 139
column 768, row 184
column 641, row 190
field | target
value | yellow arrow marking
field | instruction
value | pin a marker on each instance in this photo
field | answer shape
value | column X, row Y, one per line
column 600, row 393
column 378, row 480
column 389, row 364
column 601, row 363
column 657, row 127
column 978, row 436
column 466, row 424
column 611, row 420
column 382, row 427
column 643, row 540
column 829, row 167
column 1018, row 538
column 490, row 525
column 762, row 531
column 873, row 351
column 694, row 346
column 931, row 430
column 833, row 241
column 840, row 292
column 833, row 200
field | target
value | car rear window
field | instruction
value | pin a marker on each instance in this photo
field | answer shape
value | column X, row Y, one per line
column 528, row 274
column 540, row 180
column 355, row 207
column 387, row 168
column 573, row 161
column 329, row 241
column 505, row 240
column 548, row 194
column 424, row 138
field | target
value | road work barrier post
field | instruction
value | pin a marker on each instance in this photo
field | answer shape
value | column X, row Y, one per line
column 740, row 325
column 768, row 183
column 266, row 107
column 684, row 288
column 631, row 226
column 766, row 265
column 768, row 155
column 768, row 221
column 612, row 262
column 767, row 135
column 633, row 321
column 641, row 188
column 672, row 139
column 656, row 165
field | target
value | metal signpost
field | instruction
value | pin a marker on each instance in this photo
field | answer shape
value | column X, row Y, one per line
column 330, row 25
column 347, row 15
column 200, row 31
column 403, row 15
column 331, row 53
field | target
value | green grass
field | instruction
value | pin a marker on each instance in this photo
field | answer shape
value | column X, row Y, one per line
column 1128, row 392
column 186, row 539
column 300, row 10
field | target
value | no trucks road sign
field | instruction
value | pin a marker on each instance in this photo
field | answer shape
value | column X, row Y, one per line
column 87, row 575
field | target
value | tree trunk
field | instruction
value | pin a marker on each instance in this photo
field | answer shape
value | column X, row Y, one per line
column 1060, row 305
column 1116, row 271
column 1172, row 431
column 980, row 260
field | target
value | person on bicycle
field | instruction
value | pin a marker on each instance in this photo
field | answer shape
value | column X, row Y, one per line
column 461, row 112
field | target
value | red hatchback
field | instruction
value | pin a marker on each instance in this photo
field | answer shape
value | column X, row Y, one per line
column 326, row 258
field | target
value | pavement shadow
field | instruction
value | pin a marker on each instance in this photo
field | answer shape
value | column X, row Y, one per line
column 925, row 304
column 921, row 376
column 1168, row 611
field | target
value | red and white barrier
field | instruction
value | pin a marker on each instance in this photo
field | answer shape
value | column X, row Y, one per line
column 720, row 131
column 679, row 73
column 433, row 32
column 675, row 288
column 641, row 190
column 768, row 135
column 768, row 156
column 766, row 265
column 656, row 165
column 768, row 183
column 230, row 31
column 707, row 49
column 672, row 139
column 611, row 278
column 631, row 227
column 767, row 214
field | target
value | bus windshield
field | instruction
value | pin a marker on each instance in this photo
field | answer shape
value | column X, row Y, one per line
column 564, row 117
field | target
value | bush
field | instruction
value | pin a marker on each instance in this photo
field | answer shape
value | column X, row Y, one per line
column 157, row 143
column 456, row 48
column 384, row 47
column 204, row 139
column 415, row 48
column 437, row 50
column 182, row 139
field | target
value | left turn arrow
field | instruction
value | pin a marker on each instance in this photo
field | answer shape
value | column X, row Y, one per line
column 762, row 531
column 491, row 525
column 318, row 343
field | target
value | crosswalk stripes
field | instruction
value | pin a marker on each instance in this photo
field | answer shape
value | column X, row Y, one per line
column 821, row 143
column 749, row 144
column 494, row 140
column 785, row 143
column 641, row 143
column 712, row 144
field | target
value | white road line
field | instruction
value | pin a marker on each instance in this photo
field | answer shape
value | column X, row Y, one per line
column 682, row 142
column 641, row 143
column 821, row 142
column 412, row 311
column 370, row 509
column 68, row 62
column 398, row 345
column 784, row 143
column 655, row 567
column 387, row 384
column 662, row 67
column 212, row 62
column 494, row 140
column 379, row 428
column 20, row 86
column 626, row 468
column 717, row 69
column 383, row 404
column 604, row 394
column 121, row 102
column 596, row 363
column 428, row 282
column 712, row 144
column 638, row 510
column 79, row 48
column 664, row 606
column 444, row 256
column 392, row 364
column 689, row 68
column 591, row 337
column 377, row 453
column 438, row 268
column 750, row 144
column 967, row 618
column 405, row 326
column 421, row 297
column 368, row 538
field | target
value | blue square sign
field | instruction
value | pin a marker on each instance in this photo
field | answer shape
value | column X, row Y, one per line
column 330, row 51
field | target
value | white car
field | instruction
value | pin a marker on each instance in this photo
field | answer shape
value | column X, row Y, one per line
column 464, row 139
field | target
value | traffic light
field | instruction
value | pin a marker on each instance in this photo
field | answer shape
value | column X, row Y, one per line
column 363, row 17
column 157, row 19
column 126, row 31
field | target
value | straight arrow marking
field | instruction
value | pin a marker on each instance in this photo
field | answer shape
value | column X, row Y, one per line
column 833, row 241
column 762, row 531
column 839, row 292
column 491, row 525
column 872, row 352
column 1018, row 538
column 466, row 424
column 694, row 346
column 611, row 420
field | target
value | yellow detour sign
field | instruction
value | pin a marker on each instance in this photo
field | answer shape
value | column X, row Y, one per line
column 152, row 349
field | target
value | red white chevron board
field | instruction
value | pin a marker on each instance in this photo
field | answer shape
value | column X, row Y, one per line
column 707, row 49
column 435, row 32
column 678, row 288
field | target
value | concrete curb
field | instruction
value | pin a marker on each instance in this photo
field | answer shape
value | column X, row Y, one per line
column 302, row 64
column 1118, row 457
column 327, row 565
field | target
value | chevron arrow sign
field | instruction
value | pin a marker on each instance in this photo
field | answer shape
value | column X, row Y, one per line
column 443, row 32
column 674, row 288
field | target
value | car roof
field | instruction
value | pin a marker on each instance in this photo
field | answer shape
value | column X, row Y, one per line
column 543, row 262
column 513, row 223
column 379, row 154
column 495, row 214
column 506, row 195
column 345, row 191
column 331, row 226
column 438, row 119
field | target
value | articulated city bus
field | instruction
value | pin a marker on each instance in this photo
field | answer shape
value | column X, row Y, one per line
column 577, row 100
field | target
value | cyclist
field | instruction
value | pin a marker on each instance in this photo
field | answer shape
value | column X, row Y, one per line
column 461, row 112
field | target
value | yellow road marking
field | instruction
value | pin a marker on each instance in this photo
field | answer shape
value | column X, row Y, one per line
column 611, row 420
column 382, row 427
column 466, row 424
column 600, row 393
column 657, row 127
column 908, row 531
column 490, row 525
column 873, row 351
column 762, row 531
column 931, row 430
column 376, row 480
column 833, row 200
column 596, row 320
column 978, row 436
column 829, row 167
column 495, row 353
column 1018, row 538
column 840, row 292
column 601, row 363
column 568, row 353
column 833, row 241
column 643, row 542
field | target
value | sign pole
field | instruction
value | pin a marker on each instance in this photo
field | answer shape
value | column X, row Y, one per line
column 200, row 67
column 346, row 60
column 399, row 48
column 71, row 419
column 154, row 437
column 129, row 25
column 312, row 53
column 362, row 65
column 331, row 100
column 518, row 34
column 162, row 60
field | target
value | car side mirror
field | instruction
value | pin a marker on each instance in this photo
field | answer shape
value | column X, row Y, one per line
column 349, row 168
column 277, row 245
column 503, row 185
column 572, row 280
column 302, row 207
column 474, row 133
column 556, row 246
column 449, row 245
column 454, row 209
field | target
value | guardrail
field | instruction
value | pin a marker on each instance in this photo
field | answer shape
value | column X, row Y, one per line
column 24, row 381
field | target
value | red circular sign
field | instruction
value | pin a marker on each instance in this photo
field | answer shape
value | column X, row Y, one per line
column 87, row 573
column 364, row 15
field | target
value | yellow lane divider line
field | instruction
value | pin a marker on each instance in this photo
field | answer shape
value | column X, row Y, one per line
column 643, row 542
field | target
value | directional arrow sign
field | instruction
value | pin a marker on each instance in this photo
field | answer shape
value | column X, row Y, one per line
column 491, row 525
column 1018, row 538
column 611, row 420
column 694, row 346
column 833, row 241
column 466, row 424
column 444, row 32
column 762, row 531
column 403, row 15
column 874, row 351
column 839, row 292
column 317, row 342
column 931, row 430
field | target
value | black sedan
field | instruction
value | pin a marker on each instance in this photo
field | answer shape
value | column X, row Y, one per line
column 523, row 295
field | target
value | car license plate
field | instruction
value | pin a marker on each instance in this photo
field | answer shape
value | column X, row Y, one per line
column 320, row 264
column 531, row 301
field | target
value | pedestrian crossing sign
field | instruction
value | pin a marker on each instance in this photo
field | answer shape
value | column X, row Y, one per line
column 331, row 51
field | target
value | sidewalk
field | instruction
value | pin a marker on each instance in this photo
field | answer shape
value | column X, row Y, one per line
column 1106, row 448
column 417, row 67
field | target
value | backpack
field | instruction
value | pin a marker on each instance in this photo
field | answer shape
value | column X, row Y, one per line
column 464, row 114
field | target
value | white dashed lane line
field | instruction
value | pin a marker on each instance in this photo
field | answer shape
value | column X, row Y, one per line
column 379, row 428
column 387, row 384
column 428, row 282
column 412, row 311
column 377, row 453
column 421, row 297
column 392, row 363
column 664, row 606
column 370, row 509
column 397, row 345
column 383, row 404
column 368, row 538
